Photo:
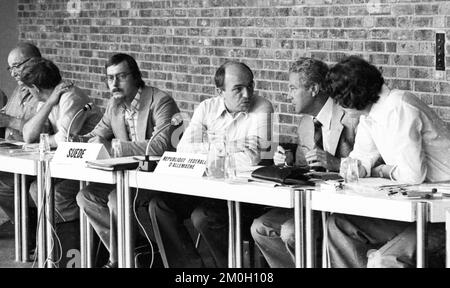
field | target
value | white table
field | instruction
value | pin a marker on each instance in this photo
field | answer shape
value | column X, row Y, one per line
column 20, row 165
column 85, row 175
column 261, row 194
column 371, row 203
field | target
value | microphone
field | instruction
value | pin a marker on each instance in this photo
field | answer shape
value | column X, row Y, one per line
column 147, row 165
column 85, row 108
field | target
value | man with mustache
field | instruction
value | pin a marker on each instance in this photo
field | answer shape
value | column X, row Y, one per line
column 244, row 120
column 20, row 108
column 135, row 112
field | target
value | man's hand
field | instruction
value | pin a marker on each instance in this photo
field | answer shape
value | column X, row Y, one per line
column 344, row 167
column 283, row 157
column 98, row 139
column 60, row 89
column 78, row 138
column 320, row 158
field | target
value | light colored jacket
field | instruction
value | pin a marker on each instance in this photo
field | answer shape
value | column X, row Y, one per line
column 156, row 110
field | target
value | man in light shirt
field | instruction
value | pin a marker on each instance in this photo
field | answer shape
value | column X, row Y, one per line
column 58, row 102
column 414, row 144
column 21, row 106
column 244, row 119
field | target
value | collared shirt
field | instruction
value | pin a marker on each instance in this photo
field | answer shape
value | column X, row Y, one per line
column 211, row 116
column 131, row 115
column 407, row 134
column 21, row 105
column 347, row 137
column 62, row 114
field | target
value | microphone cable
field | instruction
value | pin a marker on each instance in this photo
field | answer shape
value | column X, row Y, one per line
column 139, row 222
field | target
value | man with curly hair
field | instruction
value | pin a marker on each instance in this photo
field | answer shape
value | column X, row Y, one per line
column 412, row 141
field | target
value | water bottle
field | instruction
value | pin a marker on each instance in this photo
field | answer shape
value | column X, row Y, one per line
column 215, row 164
column 230, row 167
column 115, row 148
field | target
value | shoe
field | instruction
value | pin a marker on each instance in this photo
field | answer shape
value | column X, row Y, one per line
column 32, row 254
column 111, row 265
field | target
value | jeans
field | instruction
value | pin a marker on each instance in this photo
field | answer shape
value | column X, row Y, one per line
column 66, row 208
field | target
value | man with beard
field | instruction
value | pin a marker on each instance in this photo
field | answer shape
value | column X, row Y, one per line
column 134, row 114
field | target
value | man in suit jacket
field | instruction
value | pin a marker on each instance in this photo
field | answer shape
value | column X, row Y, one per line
column 134, row 114
column 274, row 231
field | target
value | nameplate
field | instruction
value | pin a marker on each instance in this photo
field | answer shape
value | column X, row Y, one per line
column 76, row 152
column 183, row 164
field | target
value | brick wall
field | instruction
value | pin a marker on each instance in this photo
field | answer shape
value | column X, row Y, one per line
column 180, row 43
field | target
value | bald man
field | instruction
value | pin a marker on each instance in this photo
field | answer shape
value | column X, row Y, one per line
column 21, row 107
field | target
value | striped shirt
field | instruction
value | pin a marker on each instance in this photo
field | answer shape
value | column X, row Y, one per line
column 131, row 114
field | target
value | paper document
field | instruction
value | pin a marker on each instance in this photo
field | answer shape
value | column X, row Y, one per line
column 112, row 164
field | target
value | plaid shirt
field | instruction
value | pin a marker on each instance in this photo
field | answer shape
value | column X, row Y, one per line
column 131, row 116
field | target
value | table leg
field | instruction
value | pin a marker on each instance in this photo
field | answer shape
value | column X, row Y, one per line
column 125, row 245
column 86, row 238
column 231, row 235
column 309, row 227
column 128, row 228
column 52, row 245
column 41, row 215
column 447, row 239
column 17, row 218
column 25, row 219
column 422, row 212
column 238, row 235
column 299, row 226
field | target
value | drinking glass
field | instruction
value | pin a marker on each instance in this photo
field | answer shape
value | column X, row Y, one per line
column 115, row 148
column 215, row 164
column 349, row 170
column 44, row 145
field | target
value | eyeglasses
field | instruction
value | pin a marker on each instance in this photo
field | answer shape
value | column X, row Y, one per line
column 119, row 76
column 17, row 66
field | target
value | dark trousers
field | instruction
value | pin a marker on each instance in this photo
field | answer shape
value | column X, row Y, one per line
column 209, row 217
column 7, row 193
column 99, row 203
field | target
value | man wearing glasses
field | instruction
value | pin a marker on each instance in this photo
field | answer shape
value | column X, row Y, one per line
column 135, row 112
column 21, row 107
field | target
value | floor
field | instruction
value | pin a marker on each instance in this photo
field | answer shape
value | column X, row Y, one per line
column 7, row 248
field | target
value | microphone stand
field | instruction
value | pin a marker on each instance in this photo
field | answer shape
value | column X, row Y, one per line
column 148, row 165
column 85, row 108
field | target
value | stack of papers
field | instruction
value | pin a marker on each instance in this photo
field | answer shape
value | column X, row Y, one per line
column 114, row 164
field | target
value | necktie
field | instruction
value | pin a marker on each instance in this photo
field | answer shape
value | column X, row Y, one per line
column 318, row 141
column 348, row 136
